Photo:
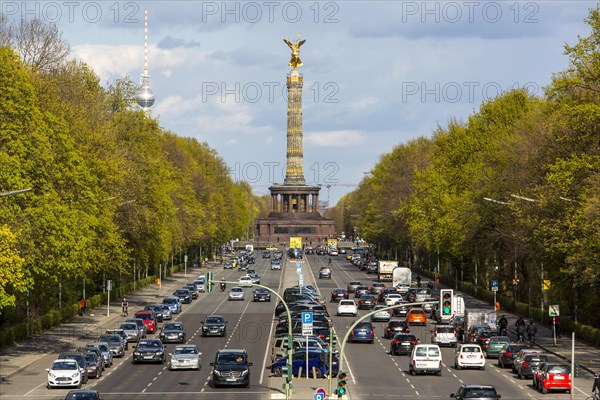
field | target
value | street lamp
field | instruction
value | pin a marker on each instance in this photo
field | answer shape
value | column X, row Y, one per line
column 15, row 192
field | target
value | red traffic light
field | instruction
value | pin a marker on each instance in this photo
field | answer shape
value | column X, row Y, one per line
column 447, row 296
column 342, row 375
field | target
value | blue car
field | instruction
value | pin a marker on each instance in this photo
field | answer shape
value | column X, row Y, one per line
column 363, row 332
column 173, row 303
column 317, row 358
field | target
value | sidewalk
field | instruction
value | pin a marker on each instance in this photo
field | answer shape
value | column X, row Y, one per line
column 586, row 356
column 80, row 329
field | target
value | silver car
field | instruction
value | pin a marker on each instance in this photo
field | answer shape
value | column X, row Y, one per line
column 115, row 344
column 383, row 316
column 131, row 330
column 166, row 312
column 105, row 350
column 236, row 293
column 185, row 356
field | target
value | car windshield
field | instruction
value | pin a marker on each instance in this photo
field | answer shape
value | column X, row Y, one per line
column 172, row 327
column 129, row 327
column 63, row 365
column 90, row 357
column 230, row 359
column 170, row 301
column 480, row 392
column 428, row 351
column 236, row 290
column 81, row 396
column 445, row 329
column 149, row 343
column 364, row 325
column 186, row 350
column 470, row 349
column 110, row 338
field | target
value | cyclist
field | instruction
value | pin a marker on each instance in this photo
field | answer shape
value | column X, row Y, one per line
column 329, row 260
column 223, row 284
column 596, row 388
column 125, row 306
column 520, row 325
column 531, row 331
column 503, row 323
column 418, row 280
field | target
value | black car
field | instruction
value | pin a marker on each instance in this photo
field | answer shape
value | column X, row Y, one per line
column 508, row 353
column 158, row 311
column 93, row 365
column 83, row 395
column 338, row 294
column 149, row 350
column 402, row 343
column 214, row 325
column 266, row 254
column 80, row 358
column 184, row 295
column 261, row 294
column 401, row 310
column 395, row 326
column 231, row 368
column 529, row 364
column 172, row 332
column 476, row 392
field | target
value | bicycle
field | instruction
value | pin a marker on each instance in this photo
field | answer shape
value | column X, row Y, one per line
column 595, row 395
column 531, row 340
column 125, row 310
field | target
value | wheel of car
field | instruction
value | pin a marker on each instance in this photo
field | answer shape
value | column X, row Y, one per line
column 412, row 372
column 457, row 366
column 277, row 371
column 439, row 373
column 483, row 368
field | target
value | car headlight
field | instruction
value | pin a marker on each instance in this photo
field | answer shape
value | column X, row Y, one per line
column 180, row 334
column 244, row 372
column 222, row 328
column 217, row 372
column 75, row 375
column 51, row 375
column 136, row 353
column 160, row 353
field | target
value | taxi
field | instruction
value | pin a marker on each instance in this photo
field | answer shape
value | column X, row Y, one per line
column 416, row 316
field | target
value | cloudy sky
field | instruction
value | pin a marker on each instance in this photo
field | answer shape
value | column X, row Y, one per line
column 376, row 73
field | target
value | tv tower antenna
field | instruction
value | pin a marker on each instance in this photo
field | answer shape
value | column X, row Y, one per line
column 145, row 97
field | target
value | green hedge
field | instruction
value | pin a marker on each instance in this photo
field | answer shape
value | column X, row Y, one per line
column 10, row 335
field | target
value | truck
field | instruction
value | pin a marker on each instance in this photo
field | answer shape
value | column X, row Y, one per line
column 480, row 316
column 332, row 246
column 385, row 269
column 401, row 279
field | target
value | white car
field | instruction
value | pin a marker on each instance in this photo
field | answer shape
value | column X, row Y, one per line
column 236, row 293
column 469, row 355
column 185, row 356
column 347, row 307
column 63, row 373
column 392, row 299
column 245, row 281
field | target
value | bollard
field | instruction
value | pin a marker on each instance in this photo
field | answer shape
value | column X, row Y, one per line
column 314, row 372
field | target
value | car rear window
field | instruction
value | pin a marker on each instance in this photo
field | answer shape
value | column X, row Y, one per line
column 471, row 349
column 445, row 329
column 559, row 369
column 364, row 325
column 476, row 393
column 428, row 351
column 536, row 358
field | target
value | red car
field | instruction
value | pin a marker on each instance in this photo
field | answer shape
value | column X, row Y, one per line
column 536, row 374
column 149, row 320
column 554, row 377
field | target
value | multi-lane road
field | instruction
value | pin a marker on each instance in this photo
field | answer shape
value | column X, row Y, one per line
column 374, row 374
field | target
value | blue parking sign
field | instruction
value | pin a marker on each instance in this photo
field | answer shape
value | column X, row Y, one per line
column 318, row 396
column 307, row 317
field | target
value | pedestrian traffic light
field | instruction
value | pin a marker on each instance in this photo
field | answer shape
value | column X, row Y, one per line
column 285, row 372
column 289, row 342
column 341, row 385
column 446, row 302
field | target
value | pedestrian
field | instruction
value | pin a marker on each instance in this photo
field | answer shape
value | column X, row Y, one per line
column 556, row 322
column 418, row 280
column 82, row 306
column 531, row 332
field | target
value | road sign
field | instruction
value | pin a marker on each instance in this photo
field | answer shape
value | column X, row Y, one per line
column 298, row 268
column 546, row 285
column 494, row 286
column 308, row 331
column 320, row 394
column 307, row 317
column 300, row 280
column 554, row 310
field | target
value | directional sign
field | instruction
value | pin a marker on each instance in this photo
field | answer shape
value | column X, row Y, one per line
column 494, row 286
column 554, row 310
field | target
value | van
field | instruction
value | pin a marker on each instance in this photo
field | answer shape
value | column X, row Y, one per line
column 279, row 350
column 426, row 358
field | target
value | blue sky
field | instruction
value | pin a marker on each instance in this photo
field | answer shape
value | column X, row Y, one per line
column 376, row 73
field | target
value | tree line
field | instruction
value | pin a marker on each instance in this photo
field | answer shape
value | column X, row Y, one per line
column 113, row 195
column 511, row 194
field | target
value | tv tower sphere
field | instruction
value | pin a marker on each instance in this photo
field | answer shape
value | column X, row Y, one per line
column 145, row 97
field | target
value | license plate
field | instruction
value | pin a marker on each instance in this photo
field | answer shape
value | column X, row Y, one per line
column 148, row 357
column 471, row 356
column 231, row 380
column 559, row 377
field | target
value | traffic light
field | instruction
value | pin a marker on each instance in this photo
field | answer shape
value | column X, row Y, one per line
column 446, row 302
column 333, row 339
column 341, row 384
column 289, row 342
column 209, row 282
column 285, row 372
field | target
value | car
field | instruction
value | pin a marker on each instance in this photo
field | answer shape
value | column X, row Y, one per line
column 158, row 311
column 416, row 316
column 115, row 343
column 347, row 307
column 142, row 328
column 245, row 281
column 333, row 253
column 193, row 290
column 255, row 278
column 275, row 264
column 266, row 254
column 483, row 337
column 149, row 350
column 172, row 332
column 185, row 356
column 149, row 320
column 537, row 373
column 521, row 356
column 338, row 294
column 360, row 290
column 376, row 287
column 132, row 331
column 476, row 392
column 309, row 250
column 166, row 312
column 469, row 355
column 228, row 265
column 425, row 358
column 105, row 350
column 64, row 373
column 83, row 395
column 173, row 303
column 392, row 298
column 508, row 353
column 93, row 365
column 236, row 293
column 554, row 377
column 79, row 357
column 383, row 315
column 385, row 292
column 403, row 343
column 395, row 326
column 261, row 294
column 231, row 367
column 494, row 345
column 473, row 331
column 214, row 325
column 183, row 295
column 318, row 361
column 367, row 301
column 279, row 350
column 325, row 273
column 530, row 363
column 401, row 309
column 353, row 285
column 122, row 334
column 95, row 351
column 371, row 268
column 200, row 285
column 444, row 335
column 362, row 332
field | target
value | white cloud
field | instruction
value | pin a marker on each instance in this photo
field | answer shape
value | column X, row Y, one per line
column 341, row 138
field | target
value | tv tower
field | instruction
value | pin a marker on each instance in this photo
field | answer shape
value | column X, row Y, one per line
column 145, row 96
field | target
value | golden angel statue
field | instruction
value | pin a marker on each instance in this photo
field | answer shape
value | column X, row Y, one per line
column 295, row 61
